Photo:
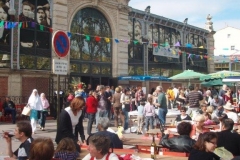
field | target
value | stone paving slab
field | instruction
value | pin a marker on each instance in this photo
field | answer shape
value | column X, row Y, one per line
column 50, row 131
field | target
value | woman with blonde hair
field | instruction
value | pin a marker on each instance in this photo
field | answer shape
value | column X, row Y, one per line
column 198, row 126
column 71, row 122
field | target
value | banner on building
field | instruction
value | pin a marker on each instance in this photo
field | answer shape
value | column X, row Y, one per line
column 166, row 52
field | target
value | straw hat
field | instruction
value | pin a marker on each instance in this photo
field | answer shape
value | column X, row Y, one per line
column 228, row 106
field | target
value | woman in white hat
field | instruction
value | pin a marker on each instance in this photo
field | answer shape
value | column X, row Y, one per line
column 229, row 110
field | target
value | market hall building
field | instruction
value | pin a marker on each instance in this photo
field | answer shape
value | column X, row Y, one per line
column 108, row 40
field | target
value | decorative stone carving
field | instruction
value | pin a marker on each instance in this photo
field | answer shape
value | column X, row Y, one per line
column 123, row 8
column 209, row 23
column 147, row 10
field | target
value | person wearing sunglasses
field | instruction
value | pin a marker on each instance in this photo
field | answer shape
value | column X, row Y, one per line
column 204, row 147
column 183, row 116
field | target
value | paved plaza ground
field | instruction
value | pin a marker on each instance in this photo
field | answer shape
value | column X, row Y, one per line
column 51, row 126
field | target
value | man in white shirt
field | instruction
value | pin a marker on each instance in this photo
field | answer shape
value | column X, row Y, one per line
column 228, row 109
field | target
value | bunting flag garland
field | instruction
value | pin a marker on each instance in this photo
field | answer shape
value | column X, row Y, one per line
column 33, row 24
column 166, row 46
column 69, row 34
column 1, row 24
column 135, row 41
column 177, row 44
column 19, row 24
column 107, row 40
column 116, row 40
column 87, row 37
column 41, row 27
column 97, row 38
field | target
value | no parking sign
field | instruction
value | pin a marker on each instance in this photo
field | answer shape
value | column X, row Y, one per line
column 60, row 43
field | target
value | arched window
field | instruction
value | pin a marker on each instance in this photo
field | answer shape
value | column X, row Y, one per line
column 86, row 26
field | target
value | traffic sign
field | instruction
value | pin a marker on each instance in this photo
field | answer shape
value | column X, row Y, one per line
column 60, row 66
column 60, row 43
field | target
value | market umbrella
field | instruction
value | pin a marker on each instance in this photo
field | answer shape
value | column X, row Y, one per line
column 215, row 82
column 187, row 74
column 220, row 74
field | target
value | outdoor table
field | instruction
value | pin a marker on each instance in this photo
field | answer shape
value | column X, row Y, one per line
column 84, row 152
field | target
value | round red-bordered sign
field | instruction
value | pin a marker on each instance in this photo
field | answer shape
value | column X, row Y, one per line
column 60, row 43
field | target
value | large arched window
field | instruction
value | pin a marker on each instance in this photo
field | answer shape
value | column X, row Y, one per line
column 87, row 53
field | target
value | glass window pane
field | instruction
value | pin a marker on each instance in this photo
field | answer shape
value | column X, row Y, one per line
column 130, row 70
column 43, row 63
column 106, row 70
column 95, row 69
column 5, row 60
column 75, row 67
column 85, row 68
column 27, row 62
column 139, row 71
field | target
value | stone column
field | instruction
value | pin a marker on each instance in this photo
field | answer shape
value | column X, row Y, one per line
column 210, row 51
column 120, row 53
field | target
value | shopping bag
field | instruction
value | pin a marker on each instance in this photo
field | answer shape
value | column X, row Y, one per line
column 26, row 110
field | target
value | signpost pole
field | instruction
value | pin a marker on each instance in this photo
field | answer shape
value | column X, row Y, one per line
column 58, row 98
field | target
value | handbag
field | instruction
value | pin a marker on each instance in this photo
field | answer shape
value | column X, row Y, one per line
column 26, row 110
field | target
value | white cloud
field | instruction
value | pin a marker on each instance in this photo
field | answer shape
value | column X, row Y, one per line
column 196, row 11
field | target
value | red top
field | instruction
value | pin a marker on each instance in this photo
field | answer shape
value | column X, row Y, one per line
column 91, row 104
column 226, row 98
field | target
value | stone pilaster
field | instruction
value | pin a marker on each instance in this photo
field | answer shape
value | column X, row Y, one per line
column 14, row 84
column 60, row 19
column 210, row 50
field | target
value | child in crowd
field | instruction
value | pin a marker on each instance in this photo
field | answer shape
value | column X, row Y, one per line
column 140, row 117
column 208, row 120
column 149, row 112
column 66, row 150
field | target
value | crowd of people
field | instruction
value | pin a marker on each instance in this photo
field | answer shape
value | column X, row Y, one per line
column 198, row 108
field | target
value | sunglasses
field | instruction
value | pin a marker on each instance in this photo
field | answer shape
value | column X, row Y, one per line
column 182, row 111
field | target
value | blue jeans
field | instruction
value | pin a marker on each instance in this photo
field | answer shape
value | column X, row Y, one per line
column 126, row 118
column 42, row 120
column 100, row 113
column 11, row 111
column 162, row 112
column 149, row 119
column 91, row 118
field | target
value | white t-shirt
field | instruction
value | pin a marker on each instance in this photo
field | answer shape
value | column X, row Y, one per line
column 233, row 116
column 74, row 118
column 112, row 156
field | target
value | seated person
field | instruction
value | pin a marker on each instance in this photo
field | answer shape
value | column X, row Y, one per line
column 203, row 109
column 229, row 110
column 183, row 115
column 204, row 147
column 102, row 126
column 198, row 127
column 42, row 149
column 217, row 103
column 23, row 132
column 98, row 148
column 208, row 120
column 227, row 139
column 182, row 143
column 9, row 108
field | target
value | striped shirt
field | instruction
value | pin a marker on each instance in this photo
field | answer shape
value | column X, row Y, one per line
column 193, row 99
column 63, row 155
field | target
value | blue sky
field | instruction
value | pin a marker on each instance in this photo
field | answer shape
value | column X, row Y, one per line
column 224, row 12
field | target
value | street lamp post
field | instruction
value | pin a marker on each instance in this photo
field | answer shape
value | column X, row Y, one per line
column 184, row 67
